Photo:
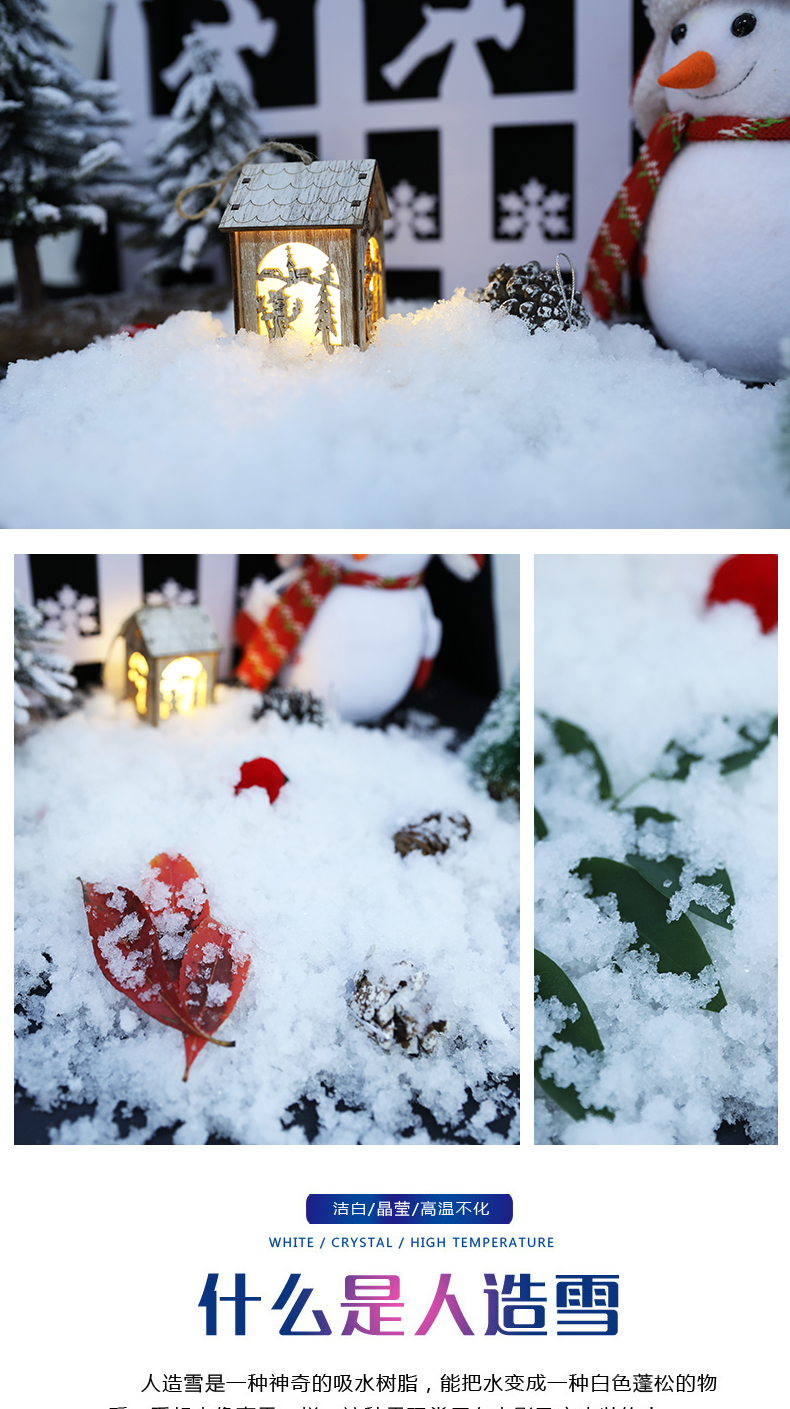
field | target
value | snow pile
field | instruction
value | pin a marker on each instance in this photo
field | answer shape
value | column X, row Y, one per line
column 626, row 650
column 455, row 417
column 315, row 884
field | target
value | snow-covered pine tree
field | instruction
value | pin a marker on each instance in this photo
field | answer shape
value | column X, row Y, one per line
column 42, row 679
column 61, row 166
column 325, row 326
column 493, row 752
column 210, row 130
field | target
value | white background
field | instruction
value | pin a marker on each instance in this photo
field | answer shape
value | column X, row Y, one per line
column 110, row 1247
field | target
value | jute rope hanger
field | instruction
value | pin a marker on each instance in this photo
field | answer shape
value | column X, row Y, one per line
column 222, row 181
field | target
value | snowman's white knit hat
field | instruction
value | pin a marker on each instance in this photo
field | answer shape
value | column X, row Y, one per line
column 648, row 99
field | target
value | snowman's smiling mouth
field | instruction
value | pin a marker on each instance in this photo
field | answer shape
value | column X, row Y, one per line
column 704, row 97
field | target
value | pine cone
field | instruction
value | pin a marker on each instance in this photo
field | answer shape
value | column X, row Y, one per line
column 300, row 705
column 432, row 835
column 391, row 1011
column 495, row 290
column 534, row 295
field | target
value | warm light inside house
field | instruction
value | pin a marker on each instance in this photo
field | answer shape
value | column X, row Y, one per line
column 374, row 285
column 298, row 292
column 138, row 674
column 183, row 687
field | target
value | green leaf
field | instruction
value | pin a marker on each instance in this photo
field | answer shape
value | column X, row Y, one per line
column 582, row 1032
column 664, row 876
column 744, row 757
column 682, row 761
column 679, row 948
column 494, row 751
column 755, row 735
column 541, row 830
column 649, row 814
column 573, row 740
column 721, row 879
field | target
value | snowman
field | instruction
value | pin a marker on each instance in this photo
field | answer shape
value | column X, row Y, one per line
column 712, row 186
column 357, row 630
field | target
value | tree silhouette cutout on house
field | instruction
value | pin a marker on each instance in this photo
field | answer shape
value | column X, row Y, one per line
column 325, row 323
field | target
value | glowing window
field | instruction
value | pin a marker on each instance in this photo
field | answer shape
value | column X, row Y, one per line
column 137, row 671
column 298, row 292
column 183, row 687
column 374, row 285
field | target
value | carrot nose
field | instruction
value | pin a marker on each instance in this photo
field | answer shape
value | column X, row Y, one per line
column 694, row 72
column 359, row 557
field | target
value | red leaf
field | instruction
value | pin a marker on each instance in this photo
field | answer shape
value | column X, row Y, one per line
column 168, row 955
column 127, row 951
column 752, row 578
column 212, row 976
column 261, row 773
column 176, row 900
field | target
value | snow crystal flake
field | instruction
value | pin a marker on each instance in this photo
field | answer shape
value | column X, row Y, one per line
column 193, row 895
column 412, row 212
column 533, row 207
column 125, row 967
column 217, row 994
column 171, row 594
column 71, row 613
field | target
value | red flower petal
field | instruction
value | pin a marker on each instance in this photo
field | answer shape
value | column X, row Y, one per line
column 261, row 773
column 752, row 578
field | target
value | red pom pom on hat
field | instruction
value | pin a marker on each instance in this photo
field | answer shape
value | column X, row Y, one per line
column 261, row 773
column 752, row 578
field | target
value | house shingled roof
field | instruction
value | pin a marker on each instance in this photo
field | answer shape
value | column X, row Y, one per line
column 174, row 630
column 291, row 195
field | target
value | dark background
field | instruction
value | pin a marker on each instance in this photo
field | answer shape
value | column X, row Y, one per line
column 413, row 157
column 285, row 77
column 541, row 61
column 543, row 150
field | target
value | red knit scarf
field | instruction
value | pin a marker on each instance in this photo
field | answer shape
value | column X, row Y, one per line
column 279, row 634
column 616, row 241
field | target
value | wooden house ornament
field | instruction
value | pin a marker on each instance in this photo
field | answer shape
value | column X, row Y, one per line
column 165, row 659
column 307, row 250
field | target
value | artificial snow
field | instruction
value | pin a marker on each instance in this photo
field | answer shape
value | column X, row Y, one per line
column 625, row 648
column 456, row 416
column 314, row 883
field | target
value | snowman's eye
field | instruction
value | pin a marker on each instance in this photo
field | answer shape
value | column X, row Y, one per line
column 744, row 24
column 680, row 31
